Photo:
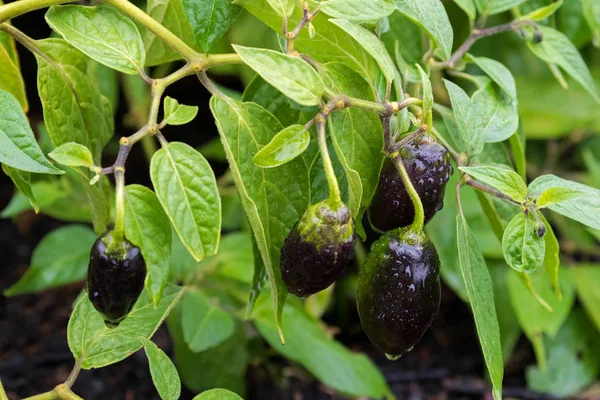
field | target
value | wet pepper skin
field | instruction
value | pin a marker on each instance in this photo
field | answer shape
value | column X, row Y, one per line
column 428, row 165
column 399, row 290
column 115, row 282
column 317, row 249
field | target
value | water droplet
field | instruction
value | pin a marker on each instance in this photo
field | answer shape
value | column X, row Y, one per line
column 411, row 287
column 392, row 357
column 430, row 181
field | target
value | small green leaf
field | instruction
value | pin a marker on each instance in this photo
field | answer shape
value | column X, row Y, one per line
column 96, row 346
column 18, row 148
column 72, row 155
column 468, row 120
column 481, row 298
column 358, row 10
column 498, row 73
column 502, row 179
column 61, row 258
column 556, row 48
column 523, row 249
column 178, row 114
column 22, row 180
column 204, row 324
column 217, row 394
column 586, row 278
column 557, row 195
column 291, row 75
column 186, row 186
column 163, row 371
column 102, row 33
column 148, row 227
column 285, row 146
column 427, row 95
column 283, row 8
column 543, row 12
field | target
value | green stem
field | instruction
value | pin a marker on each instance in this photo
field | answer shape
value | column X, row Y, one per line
column 335, row 198
column 119, row 231
column 220, row 59
column 20, row 7
column 51, row 395
column 419, row 221
column 74, row 374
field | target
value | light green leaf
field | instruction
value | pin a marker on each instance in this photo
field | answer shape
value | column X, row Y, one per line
column 11, row 79
column 209, row 27
column 469, row 122
column 427, row 95
column 404, row 42
column 518, row 142
column 586, row 278
column 204, row 324
column 284, row 147
column 372, row 44
column 102, row 33
column 557, row 195
column 283, row 8
column 505, row 180
column 308, row 344
column 147, row 226
column 591, row 12
column 481, row 298
column 22, row 181
column 581, row 209
column 523, row 249
column 186, row 187
column 552, row 257
column 217, row 394
column 491, row 7
column 556, row 48
column 96, row 346
column 358, row 10
column 432, row 17
column 497, row 112
column 73, row 155
column 178, row 114
column 468, row 7
column 18, row 147
column 543, row 12
column 291, row 75
column 498, row 73
column 510, row 331
column 163, row 371
column 61, row 258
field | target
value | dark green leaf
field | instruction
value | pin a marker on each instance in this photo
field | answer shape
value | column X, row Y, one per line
column 497, row 112
column 204, row 324
column 468, row 119
column 208, row 27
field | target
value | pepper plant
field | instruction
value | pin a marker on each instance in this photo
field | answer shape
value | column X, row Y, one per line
column 338, row 94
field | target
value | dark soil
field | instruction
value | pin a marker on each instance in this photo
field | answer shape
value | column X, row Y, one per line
column 34, row 355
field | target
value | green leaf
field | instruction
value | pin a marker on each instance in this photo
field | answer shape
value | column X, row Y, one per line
column 481, row 298
column 11, row 79
column 308, row 344
column 552, row 257
column 358, row 10
column 217, row 394
column 556, row 48
column 468, row 7
column 581, row 209
column 186, row 187
column 432, row 17
column 65, row 88
column 586, row 278
column 209, row 27
column 468, row 119
column 405, row 43
column 557, row 195
column 591, row 11
column 204, row 324
column 291, row 75
column 284, row 147
column 491, row 7
column 502, row 179
column 523, row 249
column 18, row 148
column 510, row 331
column 543, row 12
column 178, row 114
column 497, row 112
column 283, row 8
column 427, row 95
column 22, row 181
column 72, row 155
column 102, row 33
column 147, row 226
column 163, row 371
column 517, row 146
column 61, row 258
column 372, row 44
column 498, row 73
column 96, row 346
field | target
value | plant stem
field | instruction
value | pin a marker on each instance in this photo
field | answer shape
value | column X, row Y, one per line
column 335, row 198
column 219, row 59
column 20, row 7
column 484, row 188
column 74, row 374
column 119, row 231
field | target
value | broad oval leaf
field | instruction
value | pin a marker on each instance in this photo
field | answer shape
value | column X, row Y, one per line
column 208, row 27
column 505, row 180
column 96, row 346
column 204, row 324
column 178, row 114
column 498, row 73
column 102, row 33
column 148, row 227
column 72, row 155
column 291, row 75
column 557, row 195
column 217, row 394
column 358, row 10
column 523, row 249
column 186, row 187
column 18, row 147
column 163, row 371
column 497, row 113
column 478, row 284
column 61, row 258
column 285, row 146
column 469, row 121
